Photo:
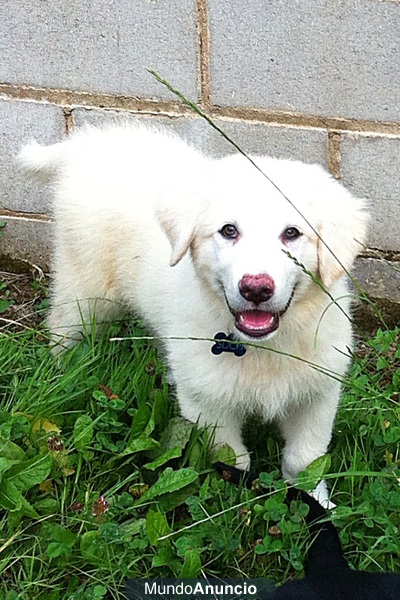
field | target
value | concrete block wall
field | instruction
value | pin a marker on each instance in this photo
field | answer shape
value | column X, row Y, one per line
column 308, row 79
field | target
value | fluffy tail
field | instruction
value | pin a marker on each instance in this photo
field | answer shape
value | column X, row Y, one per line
column 41, row 162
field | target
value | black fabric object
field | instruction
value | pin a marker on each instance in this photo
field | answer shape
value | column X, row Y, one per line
column 327, row 574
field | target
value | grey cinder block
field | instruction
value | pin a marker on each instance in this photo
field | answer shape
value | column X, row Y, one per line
column 378, row 278
column 100, row 46
column 308, row 145
column 21, row 121
column 25, row 242
column 370, row 167
column 322, row 58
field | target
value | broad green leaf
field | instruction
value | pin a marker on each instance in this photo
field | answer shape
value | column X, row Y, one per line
column 5, row 464
column 194, row 504
column 116, row 403
column 55, row 549
column 204, row 492
column 391, row 434
column 191, row 564
column 160, row 407
column 369, row 523
column 165, row 557
column 11, row 451
column 169, row 501
column 138, row 444
column 128, row 530
column 167, row 455
column 5, row 429
column 47, row 506
column 192, row 541
column 12, row 499
column 30, row 472
column 168, row 482
column 342, row 511
column 319, row 467
column 90, row 547
column 305, row 482
column 225, row 454
column 156, row 526
column 177, row 433
column 83, row 432
column 195, row 454
column 142, row 422
column 62, row 535
column 99, row 591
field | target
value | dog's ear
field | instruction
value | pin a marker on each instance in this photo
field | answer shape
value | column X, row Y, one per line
column 178, row 226
column 343, row 232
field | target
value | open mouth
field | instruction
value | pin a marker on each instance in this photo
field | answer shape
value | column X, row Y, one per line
column 256, row 323
column 259, row 323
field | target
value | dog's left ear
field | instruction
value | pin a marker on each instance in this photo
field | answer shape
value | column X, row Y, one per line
column 343, row 228
column 178, row 225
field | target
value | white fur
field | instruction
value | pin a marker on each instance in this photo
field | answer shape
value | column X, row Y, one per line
column 130, row 201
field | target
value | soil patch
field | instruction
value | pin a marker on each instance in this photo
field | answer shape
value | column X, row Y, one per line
column 23, row 298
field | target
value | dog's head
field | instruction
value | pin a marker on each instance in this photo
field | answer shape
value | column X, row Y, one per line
column 253, row 247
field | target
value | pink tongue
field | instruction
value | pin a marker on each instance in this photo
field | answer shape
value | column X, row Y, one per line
column 256, row 318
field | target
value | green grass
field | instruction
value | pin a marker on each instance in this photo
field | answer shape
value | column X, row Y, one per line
column 97, row 466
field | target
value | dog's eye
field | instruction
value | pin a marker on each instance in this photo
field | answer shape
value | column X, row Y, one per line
column 229, row 231
column 291, row 233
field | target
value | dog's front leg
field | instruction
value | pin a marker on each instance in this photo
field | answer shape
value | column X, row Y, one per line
column 307, row 431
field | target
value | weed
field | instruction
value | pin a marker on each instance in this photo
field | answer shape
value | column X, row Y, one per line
column 5, row 299
column 102, row 480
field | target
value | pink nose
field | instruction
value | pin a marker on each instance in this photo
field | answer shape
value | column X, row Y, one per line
column 257, row 288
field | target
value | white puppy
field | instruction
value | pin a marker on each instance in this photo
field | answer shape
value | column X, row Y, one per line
column 198, row 246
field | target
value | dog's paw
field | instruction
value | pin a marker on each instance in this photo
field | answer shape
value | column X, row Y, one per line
column 321, row 495
column 243, row 461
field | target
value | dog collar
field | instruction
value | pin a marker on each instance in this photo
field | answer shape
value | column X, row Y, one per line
column 227, row 343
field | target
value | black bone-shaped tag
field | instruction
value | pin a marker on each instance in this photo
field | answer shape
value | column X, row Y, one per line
column 227, row 343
